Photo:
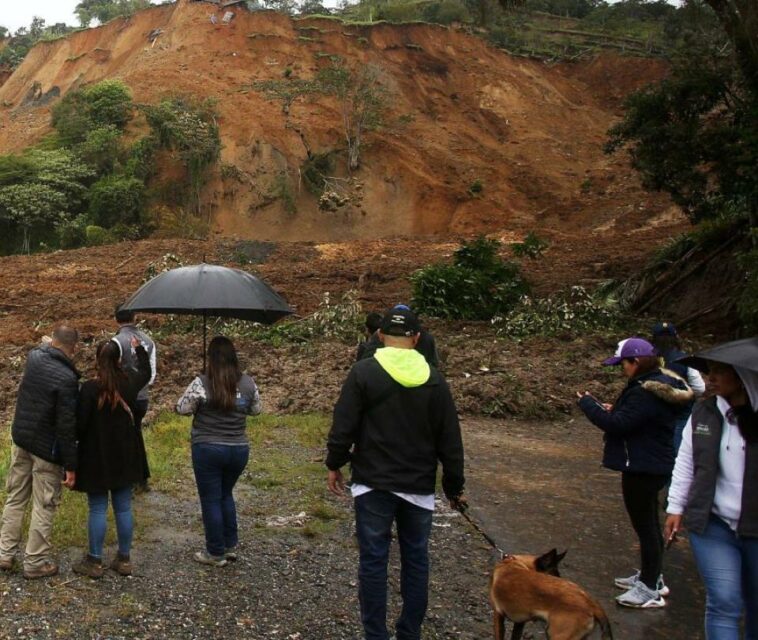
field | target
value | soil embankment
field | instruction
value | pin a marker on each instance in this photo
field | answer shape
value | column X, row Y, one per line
column 460, row 113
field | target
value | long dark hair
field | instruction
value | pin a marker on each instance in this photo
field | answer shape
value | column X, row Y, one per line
column 223, row 374
column 747, row 422
column 109, row 373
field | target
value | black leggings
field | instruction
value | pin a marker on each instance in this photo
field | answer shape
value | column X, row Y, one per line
column 641, row 501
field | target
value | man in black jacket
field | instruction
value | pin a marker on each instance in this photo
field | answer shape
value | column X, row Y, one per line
column 425, row 343
column 394, row 420
column 44, row 452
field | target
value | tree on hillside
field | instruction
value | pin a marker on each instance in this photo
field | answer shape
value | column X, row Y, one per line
column 104, row 10
column 3, row 32
column 695, row 135
column 739, row 19
column 362, row 99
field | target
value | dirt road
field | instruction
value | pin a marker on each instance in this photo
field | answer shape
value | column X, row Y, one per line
column 535, row 486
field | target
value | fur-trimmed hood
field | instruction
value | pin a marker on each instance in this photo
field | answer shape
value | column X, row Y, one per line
column 676, row 391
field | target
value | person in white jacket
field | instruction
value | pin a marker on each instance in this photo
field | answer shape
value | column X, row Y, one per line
column 713, row 491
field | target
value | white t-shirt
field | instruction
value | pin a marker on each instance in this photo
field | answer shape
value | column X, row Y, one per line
column 420, row 500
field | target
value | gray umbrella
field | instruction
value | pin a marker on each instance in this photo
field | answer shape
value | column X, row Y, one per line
column 210, row 290
column 738, row 353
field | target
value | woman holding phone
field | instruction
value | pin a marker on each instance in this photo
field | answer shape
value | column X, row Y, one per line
column 639, row 442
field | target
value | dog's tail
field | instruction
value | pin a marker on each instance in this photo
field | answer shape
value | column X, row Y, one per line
column 605, row 625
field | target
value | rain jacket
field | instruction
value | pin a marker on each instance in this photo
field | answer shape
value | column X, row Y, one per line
column 394, row 420
column 639, row 430
column 45, row 420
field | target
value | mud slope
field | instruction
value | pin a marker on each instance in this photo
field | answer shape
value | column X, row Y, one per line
column 460, row 111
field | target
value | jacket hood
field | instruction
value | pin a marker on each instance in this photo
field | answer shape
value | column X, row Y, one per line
column 668, row 386
column 405, row 366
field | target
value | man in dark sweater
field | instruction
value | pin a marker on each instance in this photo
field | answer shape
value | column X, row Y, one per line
column 44, row 452
column 425, row 343
column 394, row 420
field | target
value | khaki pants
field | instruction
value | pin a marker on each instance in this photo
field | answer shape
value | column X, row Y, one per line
column 30, row 476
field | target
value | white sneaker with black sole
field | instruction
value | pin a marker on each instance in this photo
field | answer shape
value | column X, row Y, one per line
column 628, row 583
column 640, row 596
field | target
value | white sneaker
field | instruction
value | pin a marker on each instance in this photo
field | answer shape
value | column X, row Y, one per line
column 203, row 557
column 640, row 596
column 628, row 583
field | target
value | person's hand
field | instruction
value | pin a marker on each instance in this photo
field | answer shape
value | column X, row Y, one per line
column 671, row 528
column 459, row 503
column 69, row 480
column 607, row 406
column 336, row 482
column 135, row 342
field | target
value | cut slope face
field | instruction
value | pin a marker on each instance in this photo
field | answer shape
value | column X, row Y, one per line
column 460, row 113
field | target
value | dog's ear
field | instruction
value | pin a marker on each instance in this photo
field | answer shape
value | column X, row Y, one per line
column 547, row 562
column 560, row 557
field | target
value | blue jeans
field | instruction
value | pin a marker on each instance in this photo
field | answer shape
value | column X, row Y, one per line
column 374, row 513
column 217, row 468
column 122, row 512
column 728, row 564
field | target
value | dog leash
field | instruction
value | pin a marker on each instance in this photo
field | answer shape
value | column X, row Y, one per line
column 462, row 509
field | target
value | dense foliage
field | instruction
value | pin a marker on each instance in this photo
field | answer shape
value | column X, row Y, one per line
column 479, row 285
column 21, row 42
column 104, row 10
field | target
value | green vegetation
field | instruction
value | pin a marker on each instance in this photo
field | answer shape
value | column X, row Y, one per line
column 572, row 313
column 479, row 285
column 105, row 10
column 21, row 42
column 532, row 247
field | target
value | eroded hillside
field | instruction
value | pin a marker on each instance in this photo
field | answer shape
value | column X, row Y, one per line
column 461, row 112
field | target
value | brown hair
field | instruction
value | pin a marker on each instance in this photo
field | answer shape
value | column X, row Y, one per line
column 109, row 373
column 646, row 364
column 223, row 374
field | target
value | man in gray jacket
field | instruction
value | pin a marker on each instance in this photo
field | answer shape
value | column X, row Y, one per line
column 44, row 452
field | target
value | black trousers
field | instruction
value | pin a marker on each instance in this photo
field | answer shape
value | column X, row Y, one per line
column 641, row 501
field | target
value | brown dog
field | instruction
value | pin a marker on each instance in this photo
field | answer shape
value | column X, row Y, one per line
column 525, row 588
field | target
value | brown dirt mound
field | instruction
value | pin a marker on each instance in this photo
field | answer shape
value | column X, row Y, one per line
column 461, row 111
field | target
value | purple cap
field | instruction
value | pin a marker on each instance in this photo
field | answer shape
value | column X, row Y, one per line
column 631, row 348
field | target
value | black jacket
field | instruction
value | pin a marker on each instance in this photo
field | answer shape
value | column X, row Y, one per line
column 45, row 420
column 111, row 448
column 398, row 433
column 639, row 430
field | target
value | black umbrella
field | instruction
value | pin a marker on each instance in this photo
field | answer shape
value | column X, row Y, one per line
column 738, row 353
column 210, row 290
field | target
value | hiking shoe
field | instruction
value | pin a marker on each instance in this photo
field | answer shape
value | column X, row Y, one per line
column 628, row 583
column 122, row 565
column 89, row 566
column 640, row 596
column 6, row 564
column 231, row 554
column 43, row 571
column 203, row 557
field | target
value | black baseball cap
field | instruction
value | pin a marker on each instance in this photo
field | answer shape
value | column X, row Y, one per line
column 400, row 321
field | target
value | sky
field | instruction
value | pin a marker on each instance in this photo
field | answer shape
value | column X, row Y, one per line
column 19, row 13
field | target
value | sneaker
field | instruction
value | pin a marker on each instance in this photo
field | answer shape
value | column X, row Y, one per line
column 121, row 565
column 628, row 583
column 6, row 564
column 231, row 554
column 90, row 566
column 203, row 557
column 640, row 596
column 43, row 571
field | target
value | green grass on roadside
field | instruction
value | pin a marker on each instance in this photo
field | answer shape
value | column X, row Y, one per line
column 285, row 462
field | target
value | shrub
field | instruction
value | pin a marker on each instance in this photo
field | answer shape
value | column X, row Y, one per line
column 747, row 303
column 108, row 103
column 532, row 247
column 72, row 233
column 117, row 199
column 446, row 12
column 315, row 171
column 141, row 161
column 478, row 285
column 569, row 313
column 95, row 235
column 101, row 147
column 476, row 188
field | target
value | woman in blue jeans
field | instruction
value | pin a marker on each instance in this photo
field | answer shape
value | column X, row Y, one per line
column 220, row 401
column 111, row 452
column 714, row 490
